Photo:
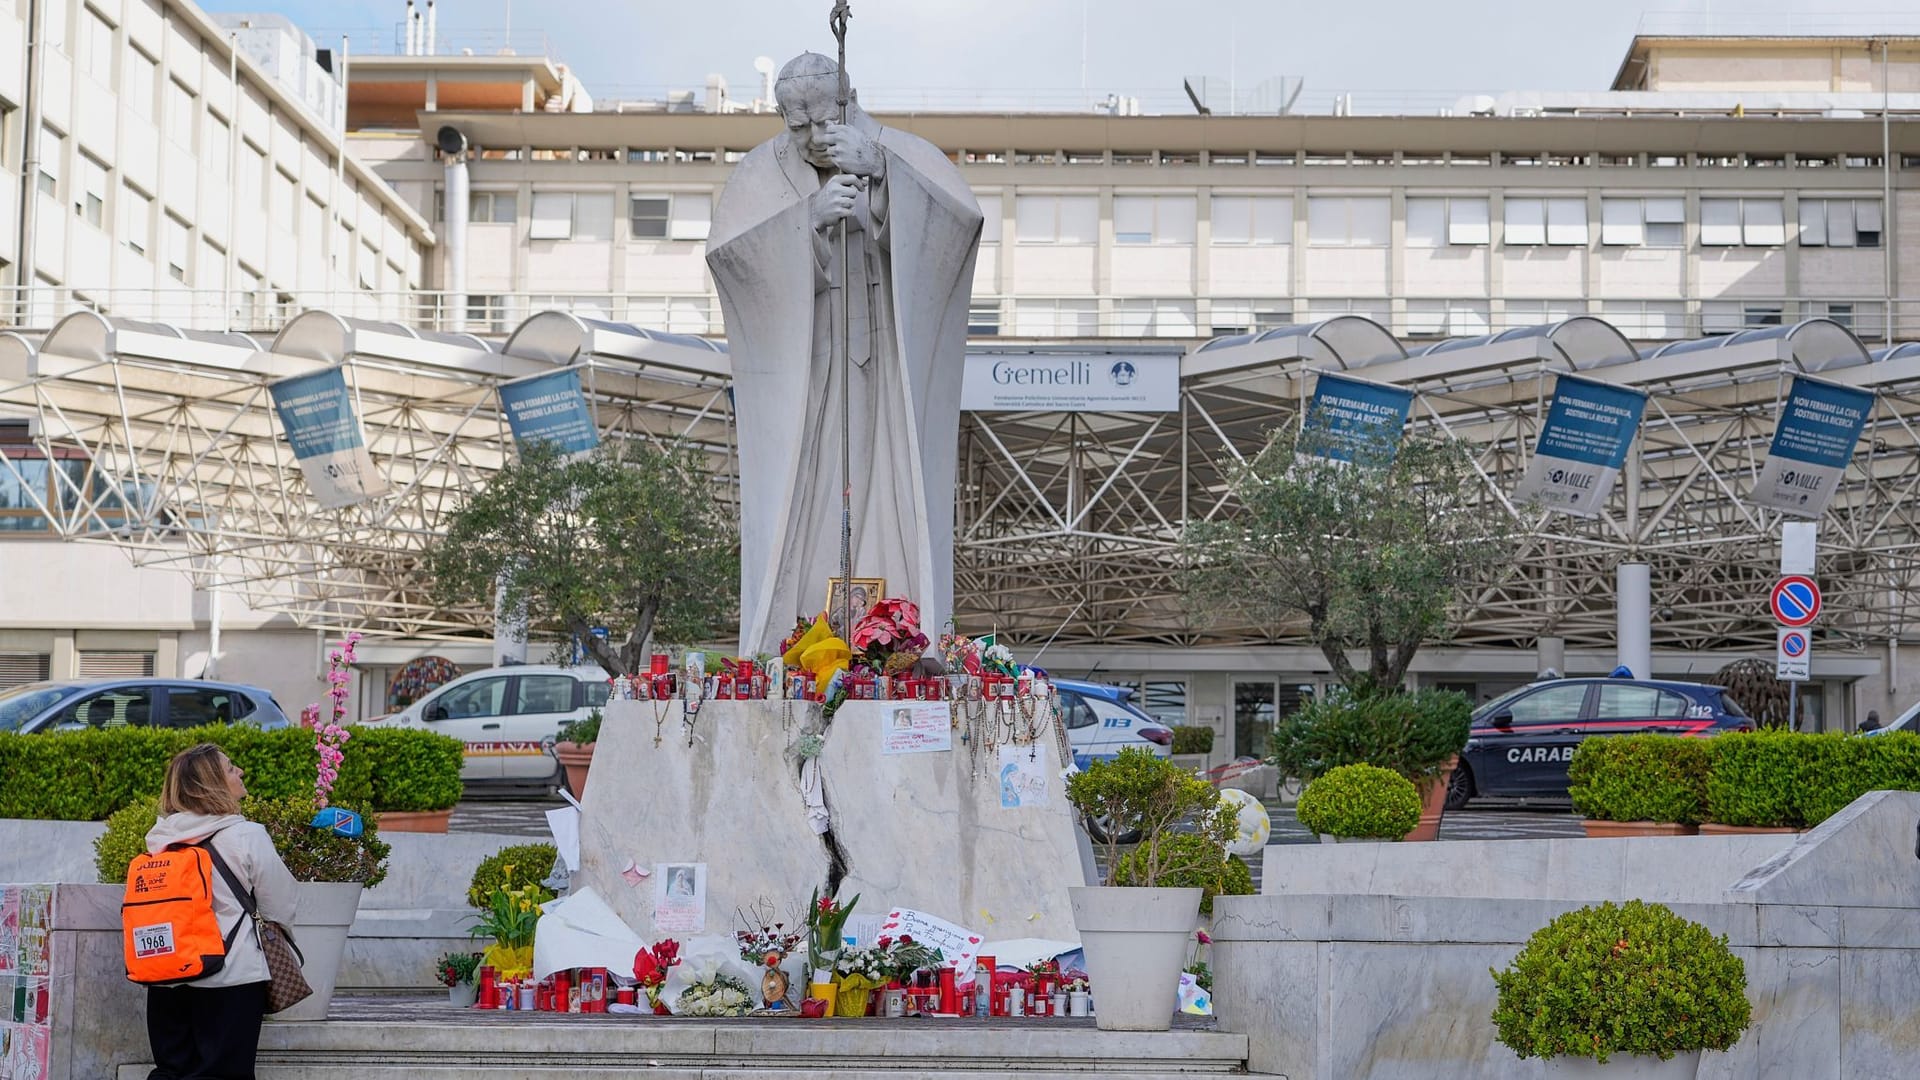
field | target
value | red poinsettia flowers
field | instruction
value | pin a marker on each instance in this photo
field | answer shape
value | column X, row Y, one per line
column 650, row 965
column 893, row 623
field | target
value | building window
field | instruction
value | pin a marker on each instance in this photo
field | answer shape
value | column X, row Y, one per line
column 136, row 219
column 1742, row 222
column 1660, row 223
column 1252, row 219
column 95, row 54
column 55, row 14
column 1154, row 318
column 1153, row 219
column 1647, row 320
column 115, row 665
column 1840, row 223
column 486, row 314
column 567, row 215
column 183, row 109
column 1531, row 222
column 991, row 208
column 1056, row 219
column 1248, row 316
column 1865, row 318
column 177, row 241
column 18, row 669
column 253, row 175
column 1319, row 309
column 1056, row 318
column 213, row 157
column 53, row 155
column 1433, row 222
column 983, row 318
column 1542, row 312
column 674, row 314
column 1733, row 316
column 1338, row 221
column 681, row 216
column 90, row 199
column 1446, row 318
column 284, row 196
column 487, row 208
column 136, row 89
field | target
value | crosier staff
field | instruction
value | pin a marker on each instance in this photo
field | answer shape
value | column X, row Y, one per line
column 843, row 343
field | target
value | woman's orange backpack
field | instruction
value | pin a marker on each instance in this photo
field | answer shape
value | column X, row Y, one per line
column 169, row 931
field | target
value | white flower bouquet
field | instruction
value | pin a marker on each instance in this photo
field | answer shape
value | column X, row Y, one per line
column 724, row 996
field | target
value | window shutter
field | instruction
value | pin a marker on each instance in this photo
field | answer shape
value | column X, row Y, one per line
column 1813, row 222
column 1620, row 222
column 20, row 668
column 1467, row 222
column 116, row 665
column 692, row 217
column 552, row 216
column 1526, row 221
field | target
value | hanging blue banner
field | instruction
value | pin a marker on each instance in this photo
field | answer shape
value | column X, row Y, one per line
column 1812, row 444
column 1355, row 414
column 550, row 409
column 1584, row 442
column 316, row 413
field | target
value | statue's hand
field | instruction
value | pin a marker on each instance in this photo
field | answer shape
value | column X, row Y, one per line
column 833, row 203
column 853, row 152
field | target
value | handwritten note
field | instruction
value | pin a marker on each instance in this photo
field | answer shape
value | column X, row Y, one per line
column 919, row 728
column 958, row 945
column 1023, row 778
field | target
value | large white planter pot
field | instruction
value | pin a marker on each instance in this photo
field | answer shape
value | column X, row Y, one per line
column 320, row 925
column 1623, row 1067
column 1136, row 942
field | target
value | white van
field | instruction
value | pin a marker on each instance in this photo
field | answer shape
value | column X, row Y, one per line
column 508, row 717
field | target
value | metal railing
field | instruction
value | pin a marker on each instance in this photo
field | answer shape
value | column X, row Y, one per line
column 1177, row 320
column 392, row 41
column 1811, row 23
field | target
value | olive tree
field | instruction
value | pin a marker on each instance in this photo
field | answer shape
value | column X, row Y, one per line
column 1370, row 552
column 629, row 537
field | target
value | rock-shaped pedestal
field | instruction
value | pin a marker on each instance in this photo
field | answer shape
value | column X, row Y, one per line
column 929, row 831
column 730, row 800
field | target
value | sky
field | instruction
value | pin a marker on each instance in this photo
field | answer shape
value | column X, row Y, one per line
column 950, row 51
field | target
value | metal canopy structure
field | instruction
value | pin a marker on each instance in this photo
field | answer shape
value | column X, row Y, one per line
column 1068, row 524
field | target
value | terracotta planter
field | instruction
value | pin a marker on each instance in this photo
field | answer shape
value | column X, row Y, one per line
column 1600, row 830
column 431, row 821
column 1623, row 1067
column 1433, row 803
column 576, row 759
column 1709, row 828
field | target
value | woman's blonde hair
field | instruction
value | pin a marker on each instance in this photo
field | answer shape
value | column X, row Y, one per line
column 197, row 783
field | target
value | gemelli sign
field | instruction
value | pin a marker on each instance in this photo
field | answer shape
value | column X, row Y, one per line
column 550, row 408
column 1111, row 383
column 1582, row 446
column 1355, row 412
column 1812, row 445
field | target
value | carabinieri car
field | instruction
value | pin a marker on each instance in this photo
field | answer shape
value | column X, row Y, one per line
column 1522, row 741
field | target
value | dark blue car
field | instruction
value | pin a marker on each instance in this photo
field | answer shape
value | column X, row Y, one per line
column 1522, row 741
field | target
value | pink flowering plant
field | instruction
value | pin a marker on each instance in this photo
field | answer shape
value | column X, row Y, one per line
column 889, row 630
column 330, row 736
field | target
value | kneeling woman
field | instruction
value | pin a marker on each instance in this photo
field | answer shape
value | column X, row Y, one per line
column 210, row 1028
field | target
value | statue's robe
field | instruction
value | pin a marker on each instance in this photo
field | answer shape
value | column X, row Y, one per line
column 911, row 278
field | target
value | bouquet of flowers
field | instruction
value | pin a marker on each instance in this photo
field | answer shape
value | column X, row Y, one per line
column 509, row 917
column 456, row 969
column 888, row 637
column 1044, row 967
column 960, row 653
column 758, row 945
column 826, row 923
column 723, row 995
column 868, row 965
column 904, row 956
column 650, row 967
column 999, row 658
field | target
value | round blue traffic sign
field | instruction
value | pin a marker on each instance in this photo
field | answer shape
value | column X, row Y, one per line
column 1794, row 645
column 1795, row 600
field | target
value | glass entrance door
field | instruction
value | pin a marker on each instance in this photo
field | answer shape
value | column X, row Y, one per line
column 1255, row 708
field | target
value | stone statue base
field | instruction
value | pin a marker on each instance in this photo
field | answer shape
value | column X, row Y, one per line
column 927, row 831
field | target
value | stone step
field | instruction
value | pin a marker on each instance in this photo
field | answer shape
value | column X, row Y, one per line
column 372, row 1039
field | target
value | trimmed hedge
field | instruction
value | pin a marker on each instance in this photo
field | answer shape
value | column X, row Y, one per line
column 1640, row 778
column 88, row 775
column 1213, row 870
column 522, row 865
column 1414, row 735
column 1360, row 802
column 310, row 854
column 1191, row 739
column 1755, row 778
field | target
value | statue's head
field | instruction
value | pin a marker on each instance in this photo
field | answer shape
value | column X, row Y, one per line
column 808, row 92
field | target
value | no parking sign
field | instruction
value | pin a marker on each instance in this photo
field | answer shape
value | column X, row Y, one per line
column 1794, row 661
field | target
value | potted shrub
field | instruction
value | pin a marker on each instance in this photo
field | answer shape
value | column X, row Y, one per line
column 333, row 869
column 1639, row 785
column 1359, row 802
column 1622, row 992
column 1207, row 867
column 1193, row 747
column 455, row 972
column 415, row 776
column 575, row 750
column 1755, row 782
column 511, row 868
column 1135, row 937
column 1417, row 735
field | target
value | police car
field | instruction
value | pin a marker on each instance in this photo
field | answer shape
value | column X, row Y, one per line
column 1521, row 742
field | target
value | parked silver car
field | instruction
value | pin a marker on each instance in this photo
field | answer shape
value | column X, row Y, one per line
column 104, row 703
